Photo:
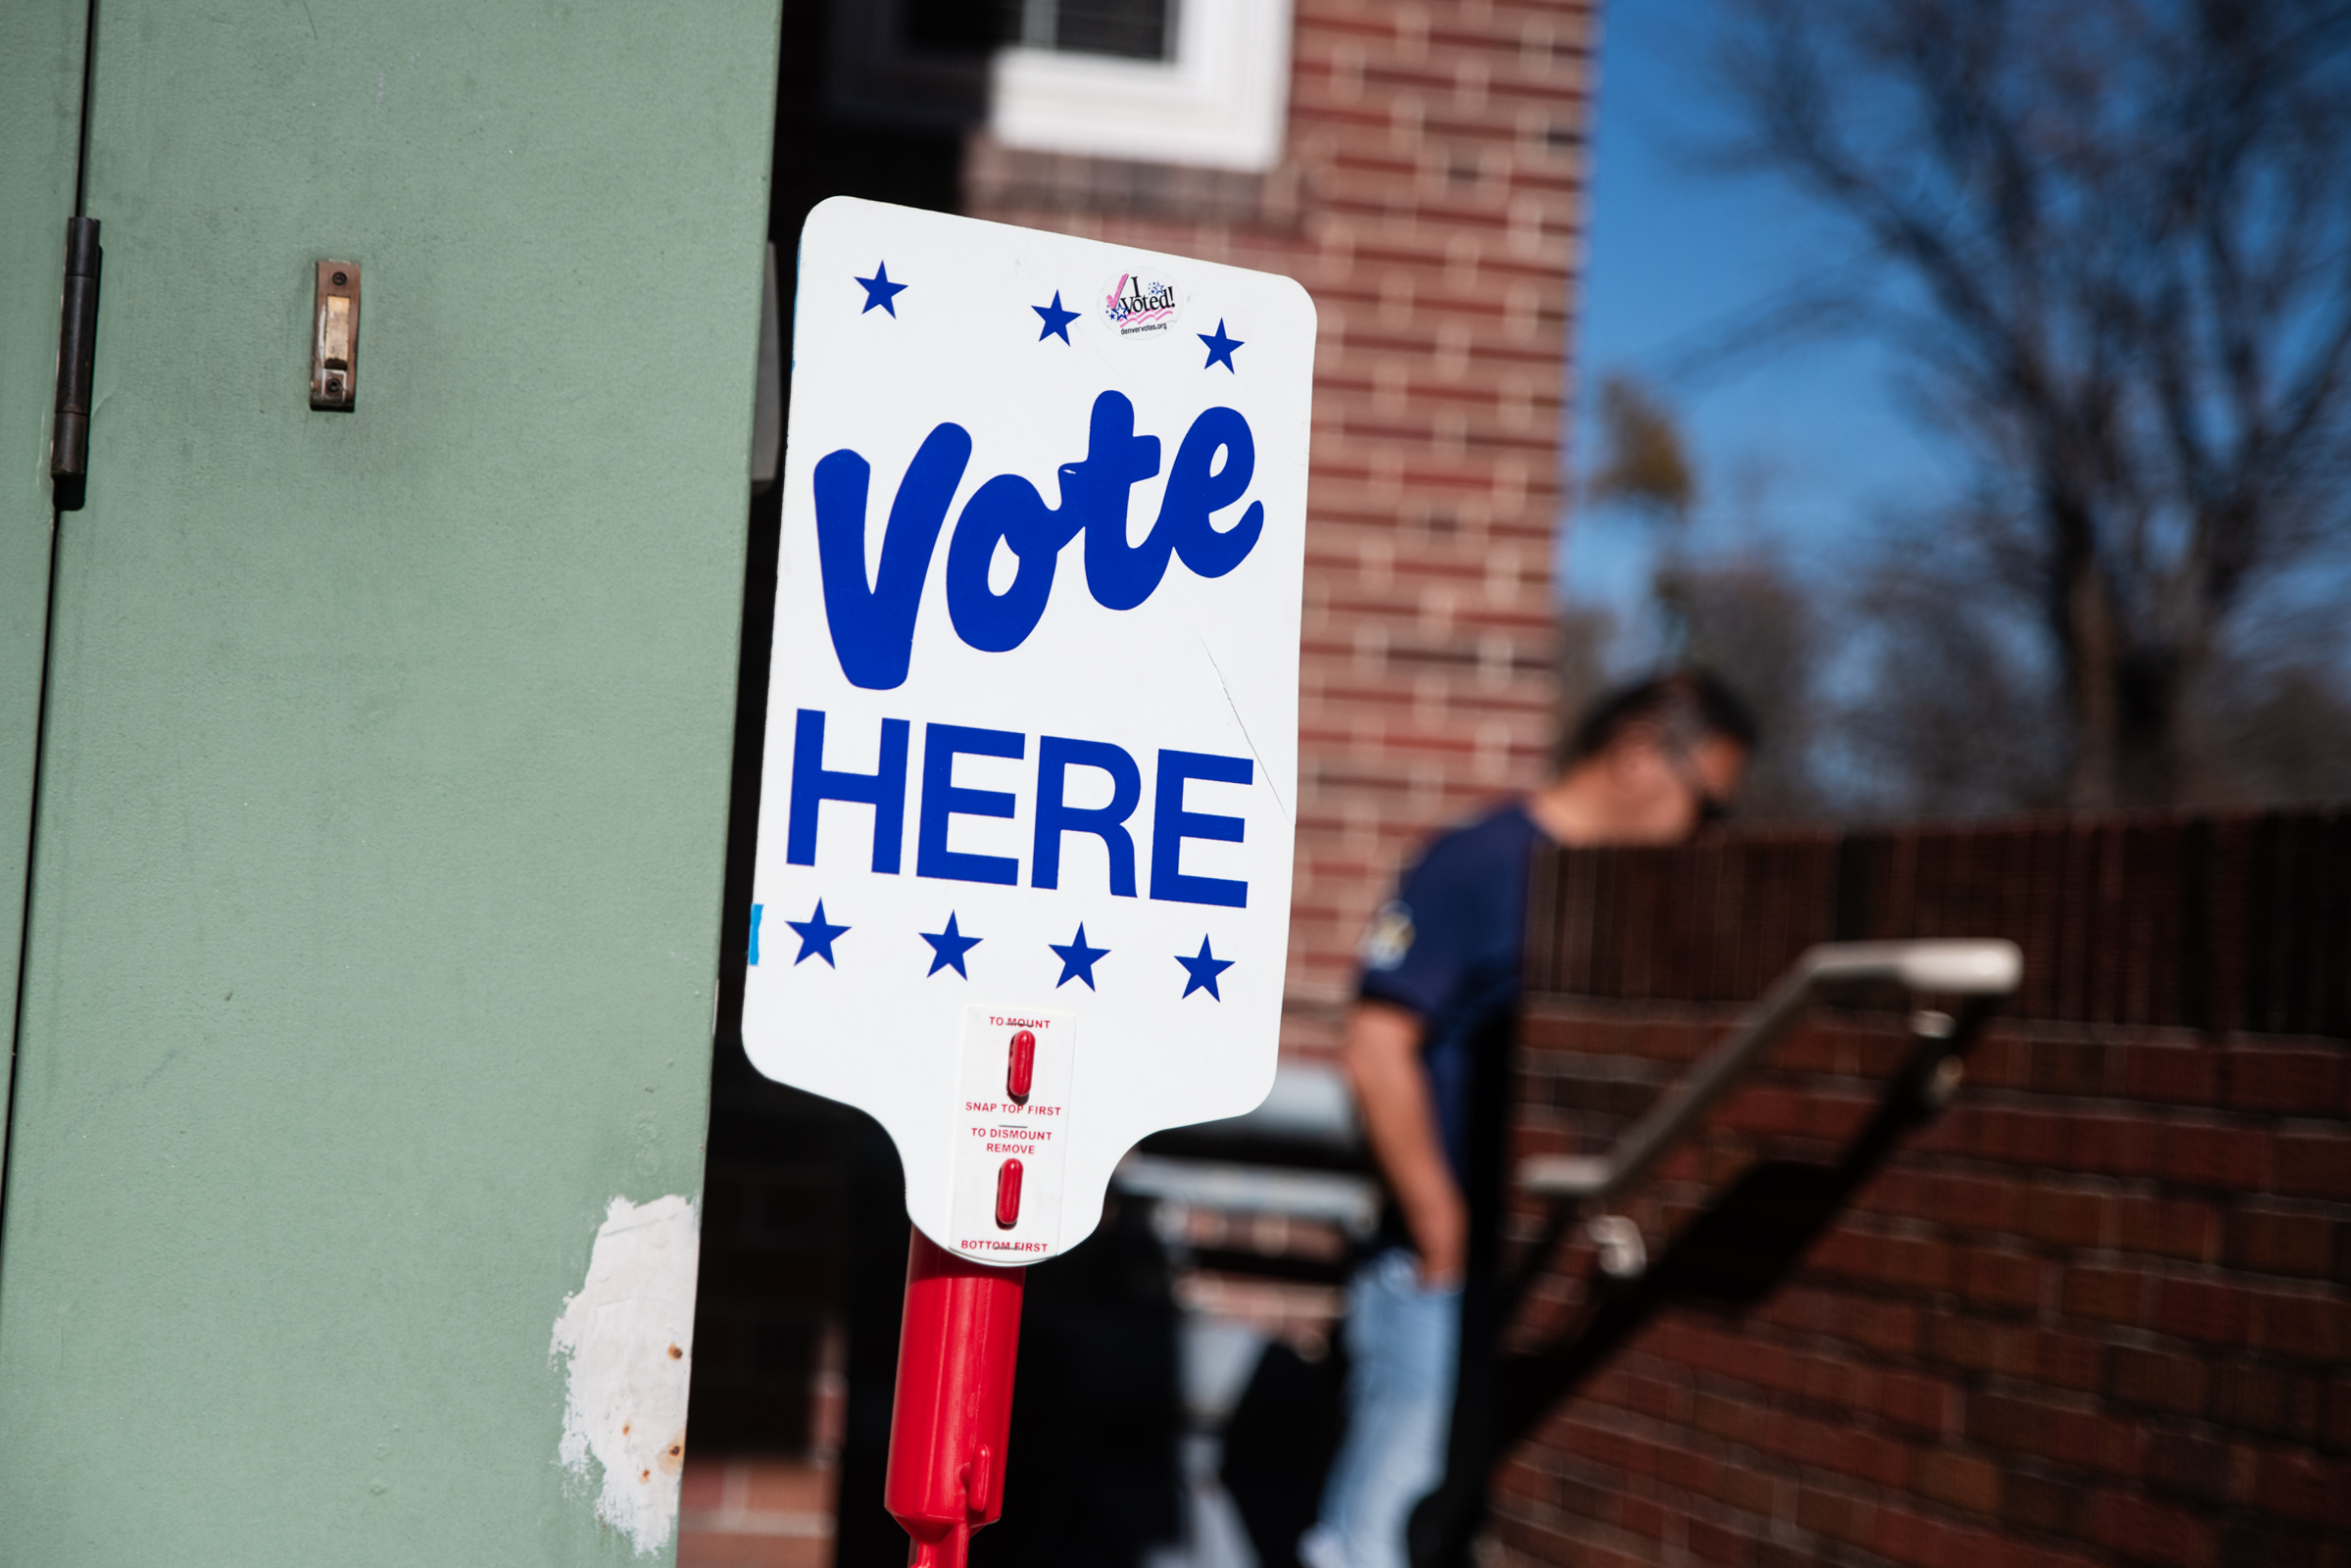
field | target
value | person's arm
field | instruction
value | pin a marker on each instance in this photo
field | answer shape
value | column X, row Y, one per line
column 1382, row 1053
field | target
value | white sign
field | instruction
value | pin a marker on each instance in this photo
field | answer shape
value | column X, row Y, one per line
column 1023, row 884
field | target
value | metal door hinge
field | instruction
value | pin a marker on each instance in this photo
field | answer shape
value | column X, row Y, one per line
column 767, row 404
column 77, row 354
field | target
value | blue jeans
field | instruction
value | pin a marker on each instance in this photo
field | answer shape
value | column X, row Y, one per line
column 1404, row 1343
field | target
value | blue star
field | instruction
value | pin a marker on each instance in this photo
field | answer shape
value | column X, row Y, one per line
column 817, row 936
column 1204, row 971
column 1057, row 320
column 1077, row 959
column 879, row 290
column 1220, row 347
column 948, row 949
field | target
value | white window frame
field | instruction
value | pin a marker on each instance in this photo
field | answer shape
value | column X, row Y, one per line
column 1223, row 102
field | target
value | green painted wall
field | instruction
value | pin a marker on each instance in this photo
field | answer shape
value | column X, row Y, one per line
column 40, row 119
column 376, row 890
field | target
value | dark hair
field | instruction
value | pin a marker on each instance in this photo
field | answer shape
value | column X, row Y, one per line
column 1691, row 705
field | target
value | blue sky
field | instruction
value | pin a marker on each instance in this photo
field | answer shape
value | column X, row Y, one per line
column 1804, row 448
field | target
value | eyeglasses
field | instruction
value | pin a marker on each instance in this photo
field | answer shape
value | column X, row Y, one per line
column 1712, row 808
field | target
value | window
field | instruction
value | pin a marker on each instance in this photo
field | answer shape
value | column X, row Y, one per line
column 1124, row 29
column 1167, row 81
column 1204, row 82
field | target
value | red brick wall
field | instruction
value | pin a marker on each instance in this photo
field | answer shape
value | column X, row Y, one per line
column 1431, row 199
column 2098, row 1312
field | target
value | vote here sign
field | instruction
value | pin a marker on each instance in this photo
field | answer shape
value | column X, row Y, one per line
column 1024, row 848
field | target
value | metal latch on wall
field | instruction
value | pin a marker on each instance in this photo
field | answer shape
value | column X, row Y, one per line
column 336, row 337
column 76, row 357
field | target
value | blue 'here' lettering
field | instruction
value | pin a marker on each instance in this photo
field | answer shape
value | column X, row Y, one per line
column 884, row 791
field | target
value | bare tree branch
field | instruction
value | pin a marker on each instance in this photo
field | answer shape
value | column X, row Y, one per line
column 2117, row 235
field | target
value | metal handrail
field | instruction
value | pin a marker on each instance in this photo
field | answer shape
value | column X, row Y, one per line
column 1987, row 969
column 1349, row 1202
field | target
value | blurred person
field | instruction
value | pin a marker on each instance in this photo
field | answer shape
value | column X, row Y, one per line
column 1649, row 764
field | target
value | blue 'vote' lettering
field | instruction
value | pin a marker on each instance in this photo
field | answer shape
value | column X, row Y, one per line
column 873, row 627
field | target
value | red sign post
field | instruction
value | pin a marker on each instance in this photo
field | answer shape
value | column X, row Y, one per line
column 952, row 1415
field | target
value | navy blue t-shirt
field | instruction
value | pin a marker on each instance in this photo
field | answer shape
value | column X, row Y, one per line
column 1446, row 949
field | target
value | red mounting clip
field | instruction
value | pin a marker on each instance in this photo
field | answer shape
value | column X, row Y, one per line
column 1020, row 1067
column 1007, row 1195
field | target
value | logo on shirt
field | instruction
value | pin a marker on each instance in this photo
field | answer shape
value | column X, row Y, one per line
column 1387, row 938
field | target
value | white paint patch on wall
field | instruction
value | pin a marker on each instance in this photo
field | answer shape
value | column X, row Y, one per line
column 628, row 1339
